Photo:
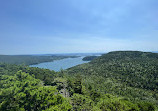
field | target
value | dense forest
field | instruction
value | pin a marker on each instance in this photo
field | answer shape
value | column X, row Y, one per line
column 116, row 81
column 89, row 58
column 29, row 59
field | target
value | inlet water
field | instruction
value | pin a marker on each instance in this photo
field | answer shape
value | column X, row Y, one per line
column 57, row 65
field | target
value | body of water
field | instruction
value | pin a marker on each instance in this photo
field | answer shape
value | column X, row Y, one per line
column 57, row 65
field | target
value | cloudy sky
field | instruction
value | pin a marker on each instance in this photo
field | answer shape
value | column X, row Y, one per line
column 69, row 26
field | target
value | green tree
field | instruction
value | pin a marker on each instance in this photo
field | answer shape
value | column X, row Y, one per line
column 24, row 92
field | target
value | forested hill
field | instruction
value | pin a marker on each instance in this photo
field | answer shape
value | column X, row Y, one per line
column 29, row 59
column 134, row 68
column 133, row 74
column 89, row 58
column 129, row 54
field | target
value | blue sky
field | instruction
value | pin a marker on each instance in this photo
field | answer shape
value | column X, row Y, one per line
column 69, row 26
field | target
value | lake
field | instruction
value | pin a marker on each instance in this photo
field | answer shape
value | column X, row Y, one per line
column 57, row 65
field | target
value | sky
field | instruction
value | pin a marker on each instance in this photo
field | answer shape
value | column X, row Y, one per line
column 77, row 26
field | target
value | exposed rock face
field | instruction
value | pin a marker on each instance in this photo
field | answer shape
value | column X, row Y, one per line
column 61, row 86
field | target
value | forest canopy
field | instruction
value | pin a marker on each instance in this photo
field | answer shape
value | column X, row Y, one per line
column 121, row 80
